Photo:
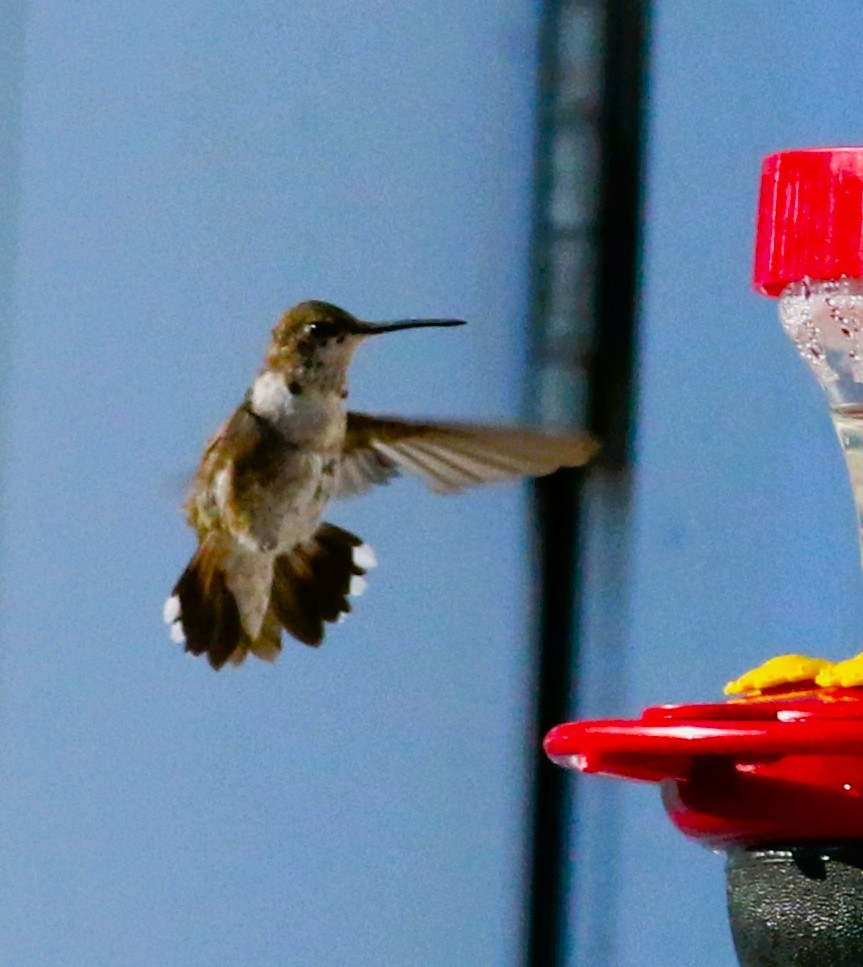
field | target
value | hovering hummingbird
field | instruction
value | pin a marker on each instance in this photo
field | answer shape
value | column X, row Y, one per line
column 265, row 561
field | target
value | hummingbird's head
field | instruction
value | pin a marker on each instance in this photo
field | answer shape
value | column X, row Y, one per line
column 316, row 340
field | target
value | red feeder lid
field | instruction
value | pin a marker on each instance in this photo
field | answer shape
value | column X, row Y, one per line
column 785, row 769
column 810, row 217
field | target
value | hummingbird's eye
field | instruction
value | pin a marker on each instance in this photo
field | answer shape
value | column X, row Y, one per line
column 322, row 330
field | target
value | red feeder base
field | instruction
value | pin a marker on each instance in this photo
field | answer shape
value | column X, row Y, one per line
column 788, row 768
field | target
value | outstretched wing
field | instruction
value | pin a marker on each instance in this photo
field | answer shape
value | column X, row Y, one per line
column 448, row 457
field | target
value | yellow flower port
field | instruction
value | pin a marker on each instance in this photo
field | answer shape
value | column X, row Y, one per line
column 788, row 671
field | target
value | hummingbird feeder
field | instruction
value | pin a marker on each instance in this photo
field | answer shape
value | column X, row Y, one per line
column 775, row 777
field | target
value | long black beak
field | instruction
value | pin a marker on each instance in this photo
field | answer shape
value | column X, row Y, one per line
column 373, row 328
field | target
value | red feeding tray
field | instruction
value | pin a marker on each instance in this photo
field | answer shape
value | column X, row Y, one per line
column 783, row 768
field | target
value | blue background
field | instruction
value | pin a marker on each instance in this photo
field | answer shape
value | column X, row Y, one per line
column 186, row 172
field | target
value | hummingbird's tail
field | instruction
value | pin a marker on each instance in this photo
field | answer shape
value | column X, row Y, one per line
column 203, row 610
column 312, row 583
column 300, row 591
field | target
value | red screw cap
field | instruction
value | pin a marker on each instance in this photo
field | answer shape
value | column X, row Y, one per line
column 810, row 217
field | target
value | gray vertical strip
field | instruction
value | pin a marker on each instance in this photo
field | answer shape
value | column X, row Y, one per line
column 602, row 687
column 564, row 267
column 13, row 17
column 585, row 292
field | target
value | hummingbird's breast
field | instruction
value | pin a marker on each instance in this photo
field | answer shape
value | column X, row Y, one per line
column 284, row 488
column 288, row 511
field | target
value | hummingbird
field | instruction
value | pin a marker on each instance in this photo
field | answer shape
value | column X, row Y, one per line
column 266, row 560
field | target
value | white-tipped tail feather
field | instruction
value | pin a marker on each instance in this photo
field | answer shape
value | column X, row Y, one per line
column 171, row 611
column 214, row 613
column 365, row 557
column 172, row 616
column 313, row 582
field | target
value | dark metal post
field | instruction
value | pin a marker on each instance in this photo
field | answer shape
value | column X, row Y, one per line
column 585, row 265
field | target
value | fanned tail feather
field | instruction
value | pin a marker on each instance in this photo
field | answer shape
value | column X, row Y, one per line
column 310, row 587
column 202, row 611
column 312, row 583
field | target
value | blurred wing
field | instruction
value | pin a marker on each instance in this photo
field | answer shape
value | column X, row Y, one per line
column 447, row 457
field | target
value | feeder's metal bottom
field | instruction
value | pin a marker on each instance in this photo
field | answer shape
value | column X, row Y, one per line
column 797, row 906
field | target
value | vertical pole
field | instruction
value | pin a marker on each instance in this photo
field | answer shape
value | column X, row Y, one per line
column 590, row 120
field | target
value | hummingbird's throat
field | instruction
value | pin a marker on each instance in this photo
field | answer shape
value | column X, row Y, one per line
column 314, row 365
column 270, row 397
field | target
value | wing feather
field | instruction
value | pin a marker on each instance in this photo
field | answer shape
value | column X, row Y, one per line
column 448, row 457
column 426, row 464
column 457, row 465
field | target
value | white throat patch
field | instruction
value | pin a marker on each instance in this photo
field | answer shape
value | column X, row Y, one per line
column 270, row 396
